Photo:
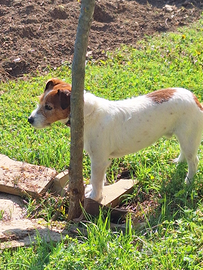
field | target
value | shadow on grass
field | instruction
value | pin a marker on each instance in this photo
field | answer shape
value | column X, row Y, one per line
column 165, row 201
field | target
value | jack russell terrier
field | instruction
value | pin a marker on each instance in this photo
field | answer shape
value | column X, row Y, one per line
column 117, row 128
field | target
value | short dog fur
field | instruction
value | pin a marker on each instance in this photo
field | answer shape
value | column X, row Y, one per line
column 117, row 128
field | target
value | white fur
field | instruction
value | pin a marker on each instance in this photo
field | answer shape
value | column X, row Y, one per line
column 116, row 128
column 39, row 118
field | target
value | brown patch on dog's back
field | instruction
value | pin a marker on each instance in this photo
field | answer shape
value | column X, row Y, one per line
column 162, row 95
column 197, row 102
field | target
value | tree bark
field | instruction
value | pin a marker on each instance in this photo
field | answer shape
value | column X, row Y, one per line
column 76, row 186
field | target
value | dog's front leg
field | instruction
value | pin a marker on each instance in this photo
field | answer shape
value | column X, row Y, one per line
column 98, row 169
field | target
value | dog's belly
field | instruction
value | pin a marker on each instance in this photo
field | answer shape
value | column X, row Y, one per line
column 117, row 141
column 132, row 139
column 134, row 145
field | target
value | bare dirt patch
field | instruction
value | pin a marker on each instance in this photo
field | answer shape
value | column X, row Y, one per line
column 37, row 34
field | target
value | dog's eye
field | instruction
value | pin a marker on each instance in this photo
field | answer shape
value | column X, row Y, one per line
column 47, row 107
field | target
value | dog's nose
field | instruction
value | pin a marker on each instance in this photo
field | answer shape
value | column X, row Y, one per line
column 31, row 120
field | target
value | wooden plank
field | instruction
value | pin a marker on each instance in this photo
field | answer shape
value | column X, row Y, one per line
column 19, row 178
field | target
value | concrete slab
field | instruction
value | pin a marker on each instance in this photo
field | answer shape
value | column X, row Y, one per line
column 112, row 194
column 11, row 208
column 60, row 183
column 18, row 231
column 19, row 178
column 26, row 232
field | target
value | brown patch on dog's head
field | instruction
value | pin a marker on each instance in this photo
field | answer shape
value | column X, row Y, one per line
column 55, row 101
column 162, row 95
column 197, row 102
column 55, row 82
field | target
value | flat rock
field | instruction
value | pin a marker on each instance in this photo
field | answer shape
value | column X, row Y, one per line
column 11, row 208
column 19, row 178
column 24, row 232
column 18, row 231
column 113, row 194
column 60, row 183
column 112, row 197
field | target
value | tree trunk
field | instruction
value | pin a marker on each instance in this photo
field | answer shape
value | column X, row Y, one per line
column 76, row 186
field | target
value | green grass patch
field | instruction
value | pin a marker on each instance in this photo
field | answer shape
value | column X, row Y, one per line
column 172, row 238
column 171, row 245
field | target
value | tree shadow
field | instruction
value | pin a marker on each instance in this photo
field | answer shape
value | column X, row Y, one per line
column 165, row 201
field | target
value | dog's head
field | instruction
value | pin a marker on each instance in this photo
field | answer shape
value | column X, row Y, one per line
column 54, row 105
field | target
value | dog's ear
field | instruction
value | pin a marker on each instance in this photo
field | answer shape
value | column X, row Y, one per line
column 64, row 98
column 51, row 83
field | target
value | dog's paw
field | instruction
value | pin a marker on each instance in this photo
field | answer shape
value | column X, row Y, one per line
column 179, row 159
column 175, row 160
column 88, row 190
column 89, row 193
column 188, row 181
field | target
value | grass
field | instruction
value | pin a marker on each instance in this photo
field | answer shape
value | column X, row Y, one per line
column 173, row 213
column 171, row 245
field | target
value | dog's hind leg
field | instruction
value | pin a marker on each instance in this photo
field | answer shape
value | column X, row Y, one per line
column 192, row 168
column 189, row 145
column 98, row 170
column 180, row 158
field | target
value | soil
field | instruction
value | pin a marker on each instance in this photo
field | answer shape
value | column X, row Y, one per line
column 38, row 34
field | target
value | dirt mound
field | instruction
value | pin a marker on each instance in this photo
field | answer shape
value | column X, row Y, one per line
column 38, row 34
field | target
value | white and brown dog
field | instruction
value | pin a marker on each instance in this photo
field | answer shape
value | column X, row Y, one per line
column 117, row 128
